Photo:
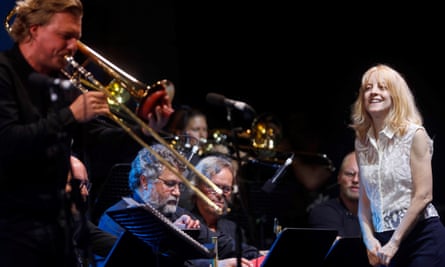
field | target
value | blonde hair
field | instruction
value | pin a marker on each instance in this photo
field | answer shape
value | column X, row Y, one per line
column 39, row 12
column 403, row 110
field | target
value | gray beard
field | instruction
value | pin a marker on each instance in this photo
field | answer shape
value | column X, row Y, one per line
column 168, row 209
column 152, row 197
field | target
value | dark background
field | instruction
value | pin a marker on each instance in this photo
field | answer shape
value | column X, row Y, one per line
column 300, row 62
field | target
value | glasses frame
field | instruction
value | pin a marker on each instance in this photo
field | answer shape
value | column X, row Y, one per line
column 225, row 188
column 172, row 184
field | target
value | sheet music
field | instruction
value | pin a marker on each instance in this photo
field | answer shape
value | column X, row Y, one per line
column 155, row 230
column 133, row 203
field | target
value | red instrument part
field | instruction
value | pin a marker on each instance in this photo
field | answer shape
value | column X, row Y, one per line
column 150, row 102
column 157, row 98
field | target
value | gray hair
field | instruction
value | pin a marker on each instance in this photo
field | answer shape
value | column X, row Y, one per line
column 148, row 165
column 211, row 165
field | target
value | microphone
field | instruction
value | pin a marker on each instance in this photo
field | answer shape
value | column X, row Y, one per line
column 220, row 100
column 44, row 80
column 269, row 185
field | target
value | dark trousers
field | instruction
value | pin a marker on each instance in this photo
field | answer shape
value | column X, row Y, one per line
column 424, row 245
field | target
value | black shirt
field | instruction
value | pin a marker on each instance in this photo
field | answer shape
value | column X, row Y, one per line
column 333, row 214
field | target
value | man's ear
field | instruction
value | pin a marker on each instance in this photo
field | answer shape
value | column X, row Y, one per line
column 143, row 181
column 33, row 31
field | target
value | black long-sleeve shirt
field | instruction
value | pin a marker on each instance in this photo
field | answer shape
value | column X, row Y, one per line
column 37, row 136
column 35, row 145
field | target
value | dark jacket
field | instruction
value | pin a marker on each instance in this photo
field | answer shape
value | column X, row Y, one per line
column 38, row 134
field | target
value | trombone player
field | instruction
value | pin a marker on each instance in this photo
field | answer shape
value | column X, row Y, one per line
column 37, row 132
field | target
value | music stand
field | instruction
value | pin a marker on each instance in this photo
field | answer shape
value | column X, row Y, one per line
column 130, row 251
column 347, row 252
column 155, row 230
column 306, row 245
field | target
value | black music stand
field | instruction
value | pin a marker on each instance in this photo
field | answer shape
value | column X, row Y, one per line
column 347, row 252
column 128, row 250
column 305, row 245
column 155, row 230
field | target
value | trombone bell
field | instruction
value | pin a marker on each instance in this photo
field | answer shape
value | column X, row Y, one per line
column 157, row 98
column 124, row 87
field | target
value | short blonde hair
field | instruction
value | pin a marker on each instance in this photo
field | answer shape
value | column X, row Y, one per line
column 39, row 12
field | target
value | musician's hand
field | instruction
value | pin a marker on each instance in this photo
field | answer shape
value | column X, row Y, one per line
column 186, row 222
column 89, row 105
column 232, row 262
column 159, row 117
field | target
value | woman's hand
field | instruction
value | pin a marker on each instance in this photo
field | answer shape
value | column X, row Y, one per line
column 387, row 252
column 372, row 249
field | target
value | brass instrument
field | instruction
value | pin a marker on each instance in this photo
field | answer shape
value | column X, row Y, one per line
column 123, row 87
column 261, row 140
column 216, row 143
column 266, row 132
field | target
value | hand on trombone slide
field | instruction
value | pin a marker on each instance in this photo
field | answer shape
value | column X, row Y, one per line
column 92, row 104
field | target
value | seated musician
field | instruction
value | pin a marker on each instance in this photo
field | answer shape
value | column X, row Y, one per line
column 153, row 183
column 221, row 171
column 340, row 212
column 87, row 237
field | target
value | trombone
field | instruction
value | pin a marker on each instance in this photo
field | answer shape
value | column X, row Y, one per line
column 121, row 88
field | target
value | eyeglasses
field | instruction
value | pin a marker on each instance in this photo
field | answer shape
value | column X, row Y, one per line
column 225, row 188
column 350, row 174
column 172, row 184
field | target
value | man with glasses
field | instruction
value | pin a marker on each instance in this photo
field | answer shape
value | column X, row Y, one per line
column 153, row 183
column 220, row 170
column 340, row 213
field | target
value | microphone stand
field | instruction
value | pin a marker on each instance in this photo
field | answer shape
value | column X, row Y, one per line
column 80, row 232
column 233, row 133
column 239, row 235
column 270, row 184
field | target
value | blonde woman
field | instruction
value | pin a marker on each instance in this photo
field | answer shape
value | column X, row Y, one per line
column 400, row 225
